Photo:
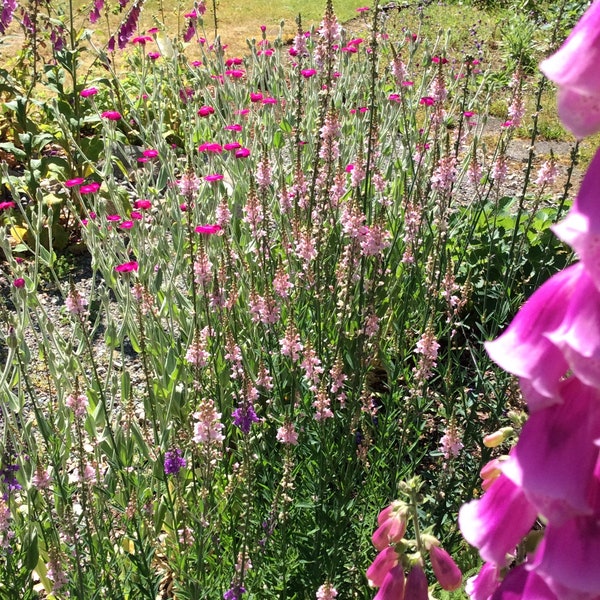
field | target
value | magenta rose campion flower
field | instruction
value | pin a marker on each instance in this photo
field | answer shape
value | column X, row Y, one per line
column 111, row 115
column 574, row 68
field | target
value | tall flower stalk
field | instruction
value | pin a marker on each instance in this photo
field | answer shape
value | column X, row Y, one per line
column 551, row 475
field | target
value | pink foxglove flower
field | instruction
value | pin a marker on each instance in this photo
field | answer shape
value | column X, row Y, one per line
column 392, row 587
column 542, row 464
column 416, row 584
column 581, row 228
column 391, row 530
column 524, row 350
column 444, row 568
column 568, row 559
column 386, row 560
column 574, row 68
column 497, row 521
column 523, row 584
column 484, row 584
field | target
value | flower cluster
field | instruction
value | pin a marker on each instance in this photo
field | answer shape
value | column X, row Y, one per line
column 127, row 27
column 553, row 346
column 387, row 570
column 174, row 461
column 6, row 14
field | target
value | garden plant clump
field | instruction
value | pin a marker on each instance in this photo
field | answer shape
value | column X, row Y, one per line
column 294, row 258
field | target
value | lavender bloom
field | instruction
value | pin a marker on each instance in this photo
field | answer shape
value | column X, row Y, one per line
column 174, row 461
column 244, row 416
column 8, row 478
column 234, row 592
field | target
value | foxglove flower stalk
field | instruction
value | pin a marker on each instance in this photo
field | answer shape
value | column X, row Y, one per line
column 553, row 346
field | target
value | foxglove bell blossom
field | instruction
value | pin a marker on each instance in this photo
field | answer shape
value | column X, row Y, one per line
column 416, row 584
column 568, row 558
column 383, row 563
column 392, row 529
column 574, row 68
column 484, row 584
column 523, row 348
column 497, row 521
column 392, row 587
column 524, row 584
column 542, row 464
column 445, row 569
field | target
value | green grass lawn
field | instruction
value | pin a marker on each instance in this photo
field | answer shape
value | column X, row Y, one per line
column 238, row 21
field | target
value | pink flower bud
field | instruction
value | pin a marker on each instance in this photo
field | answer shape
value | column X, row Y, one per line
column 491, row 471
column 445, row 569
column 383, row 563
column 386, row 512
column 391, row 531
column 493, row 440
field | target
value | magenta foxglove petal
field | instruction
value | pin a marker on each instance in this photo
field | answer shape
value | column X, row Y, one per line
column 523, row 348
column 543, row 464
column 580, row 113
column 497, row 521
column 569, row 558
column 574, row 68
column 575, row 64
column 578, row 337
column 483, row 585
column 522, row 584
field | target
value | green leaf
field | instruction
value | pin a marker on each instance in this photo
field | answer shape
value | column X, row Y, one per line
column 285, row 126
column 278, row 139
column 12, row 149
column 32, row 554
